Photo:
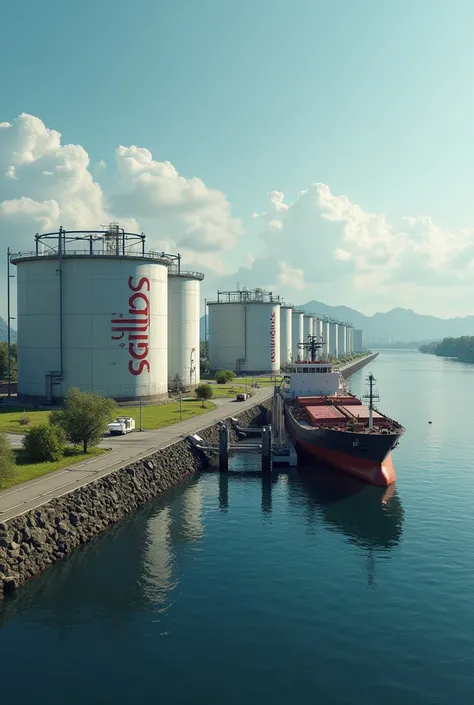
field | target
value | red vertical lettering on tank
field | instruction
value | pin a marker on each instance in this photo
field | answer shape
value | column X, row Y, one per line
column 133, row 328
column 273, row 337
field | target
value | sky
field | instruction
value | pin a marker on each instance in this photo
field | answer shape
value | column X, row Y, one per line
column 322, row 149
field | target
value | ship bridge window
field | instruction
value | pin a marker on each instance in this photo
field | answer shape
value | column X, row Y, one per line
column 298, row 369
column 312, row 369
column 305, row 369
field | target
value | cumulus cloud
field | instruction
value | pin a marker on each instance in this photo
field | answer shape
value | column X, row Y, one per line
column 195, row 216
column 327, row 244
column 45, row 184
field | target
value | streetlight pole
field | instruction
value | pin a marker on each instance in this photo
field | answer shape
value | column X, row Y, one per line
column 180, row 404
column 141, row 425
column 9, row 326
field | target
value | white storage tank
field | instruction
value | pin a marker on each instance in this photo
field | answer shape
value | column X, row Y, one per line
column 325, row 335
column 183, row 328
column 244, row 331
column 297, row 334
column 94, row 318
column 333, row 339
column 285, row 334
column 348, row 340
column 341, row 339
column 318, row 326
column 358, row 346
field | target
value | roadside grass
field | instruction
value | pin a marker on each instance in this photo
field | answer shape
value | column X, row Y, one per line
column 10, row 418
column 154, row 417
column 25, row 471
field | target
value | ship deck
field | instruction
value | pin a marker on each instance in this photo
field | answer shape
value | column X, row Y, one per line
column 340, row 413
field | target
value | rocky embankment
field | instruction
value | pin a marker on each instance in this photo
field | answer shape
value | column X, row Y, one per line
column 35, row 540
column 352, row 367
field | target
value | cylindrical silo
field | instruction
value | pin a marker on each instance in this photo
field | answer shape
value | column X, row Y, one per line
column 333, row 339
column 341, row 340
column 285, row 334
column 244, row 331
column 325, row 336
column 95, row 320
column 297, row 334
column 183, row 329
column 358, row 340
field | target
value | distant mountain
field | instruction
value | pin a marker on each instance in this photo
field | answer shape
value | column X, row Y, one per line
column 4, row 332
column 399, row 324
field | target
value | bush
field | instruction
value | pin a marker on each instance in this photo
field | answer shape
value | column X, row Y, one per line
column 44, row 444
column 224, row 376
column 204, row 391
column 24, row 420
column 7, row 459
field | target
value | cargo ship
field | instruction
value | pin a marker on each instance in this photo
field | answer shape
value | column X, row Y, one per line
column 328, row 423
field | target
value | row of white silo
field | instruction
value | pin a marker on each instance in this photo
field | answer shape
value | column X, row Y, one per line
column 253, row 331
column 98, row 312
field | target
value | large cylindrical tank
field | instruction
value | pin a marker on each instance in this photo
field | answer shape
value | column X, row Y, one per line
column 341, row 340
column 94, row 322
column 183, row 329
column 358, row 340
column 285, row 334
column 333, row 339
column 351, row 338
column 244, row 337
column 297, row 334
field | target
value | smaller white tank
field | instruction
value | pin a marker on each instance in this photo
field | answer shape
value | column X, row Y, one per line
column 285, row 334
column 307, row 331
column 183, row 328
column 333, row 339
column 325, row 334
column 341, row 339
column 297, row 334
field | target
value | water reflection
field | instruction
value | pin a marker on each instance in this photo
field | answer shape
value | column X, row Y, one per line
column 370, row 517
column 132, row 563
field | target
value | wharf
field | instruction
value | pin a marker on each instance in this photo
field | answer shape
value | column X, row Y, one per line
column 124, row 450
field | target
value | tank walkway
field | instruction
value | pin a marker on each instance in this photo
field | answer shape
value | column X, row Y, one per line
column 124, row 450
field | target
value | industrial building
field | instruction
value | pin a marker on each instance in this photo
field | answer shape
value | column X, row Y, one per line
column 95, row 310
column 244, row 331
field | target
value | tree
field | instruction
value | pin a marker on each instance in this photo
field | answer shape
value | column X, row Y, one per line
column 7, row 459
column 4, row 361
column 224, row 376
column 204, row 391
column 84, row 417
column 45, row 443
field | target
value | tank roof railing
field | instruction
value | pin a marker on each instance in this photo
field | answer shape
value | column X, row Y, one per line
column 242, row 296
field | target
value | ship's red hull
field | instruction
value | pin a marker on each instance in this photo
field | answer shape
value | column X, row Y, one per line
column 371, row 471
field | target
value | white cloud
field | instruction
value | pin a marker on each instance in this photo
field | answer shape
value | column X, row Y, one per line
column 195, row 216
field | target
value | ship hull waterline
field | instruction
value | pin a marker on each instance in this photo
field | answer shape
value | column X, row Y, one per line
column 364, row 456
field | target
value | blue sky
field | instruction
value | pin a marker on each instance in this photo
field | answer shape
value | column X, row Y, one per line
column 372, row 99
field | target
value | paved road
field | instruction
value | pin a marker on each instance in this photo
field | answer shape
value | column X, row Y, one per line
column 22, row 498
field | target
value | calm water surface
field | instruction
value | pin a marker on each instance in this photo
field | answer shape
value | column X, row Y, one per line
column 232, row 590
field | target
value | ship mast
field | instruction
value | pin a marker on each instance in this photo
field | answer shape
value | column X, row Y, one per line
column 371, row 396
column 312, row 345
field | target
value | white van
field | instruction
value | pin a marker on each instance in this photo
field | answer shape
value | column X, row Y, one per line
column 121, row 426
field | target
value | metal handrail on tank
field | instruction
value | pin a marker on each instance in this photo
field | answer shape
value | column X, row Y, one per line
column 246, row 296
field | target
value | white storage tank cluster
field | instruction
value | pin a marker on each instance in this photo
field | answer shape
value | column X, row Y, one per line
column 286, row 334
column 244, row 331
column 93, row 312
column 297, row 334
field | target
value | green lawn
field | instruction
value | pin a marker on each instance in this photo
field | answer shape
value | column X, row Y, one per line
column 29, row 471
column 153, row 416
column 10, row 419
column 229, row 391
column 164, row 414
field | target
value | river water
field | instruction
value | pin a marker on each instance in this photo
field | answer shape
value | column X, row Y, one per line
column 233, row 590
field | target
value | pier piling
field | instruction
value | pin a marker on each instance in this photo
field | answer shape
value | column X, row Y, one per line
column 223, row 447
